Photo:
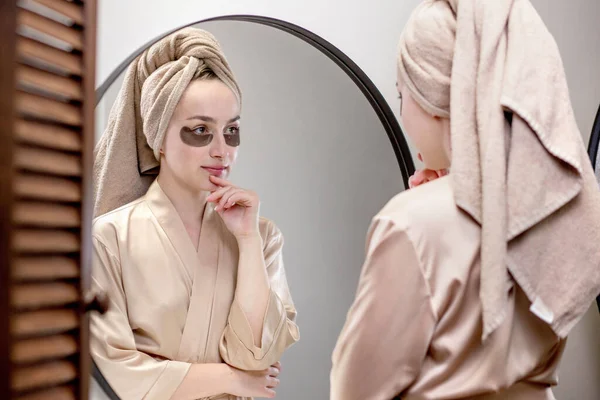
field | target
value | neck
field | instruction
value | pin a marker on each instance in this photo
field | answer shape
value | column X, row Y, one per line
column 188, row 203
column 448, row 142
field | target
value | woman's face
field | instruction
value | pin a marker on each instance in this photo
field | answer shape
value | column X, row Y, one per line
column 431, row 135
column 203, row 135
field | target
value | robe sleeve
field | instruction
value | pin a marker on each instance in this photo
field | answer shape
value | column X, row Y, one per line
column 131, row 373
column 389, row 327
column 279, row 327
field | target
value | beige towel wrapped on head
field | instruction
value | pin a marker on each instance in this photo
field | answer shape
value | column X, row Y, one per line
column 127, row 155
column 530, row 185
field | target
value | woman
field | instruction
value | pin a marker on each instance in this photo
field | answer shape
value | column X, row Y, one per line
column 472, row 281
column 200, row 306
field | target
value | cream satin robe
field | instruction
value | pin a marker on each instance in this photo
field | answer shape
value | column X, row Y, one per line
column 171, row 305
column 416, row 323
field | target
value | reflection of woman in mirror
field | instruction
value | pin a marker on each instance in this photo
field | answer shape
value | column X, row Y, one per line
column 200, row 306
column 473, row 281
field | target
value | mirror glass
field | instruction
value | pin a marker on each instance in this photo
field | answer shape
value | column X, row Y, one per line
column 314, row 150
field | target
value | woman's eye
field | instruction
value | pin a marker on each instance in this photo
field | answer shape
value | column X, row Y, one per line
column 233, row 130
column 201, row 130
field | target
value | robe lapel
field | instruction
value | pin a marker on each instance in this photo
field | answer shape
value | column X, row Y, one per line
column 169, row 220
column 195, row 333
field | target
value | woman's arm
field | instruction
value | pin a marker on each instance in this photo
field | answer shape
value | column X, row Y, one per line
column 389, row 327
column 253, row 287
column 206, row 380
column 261, row 322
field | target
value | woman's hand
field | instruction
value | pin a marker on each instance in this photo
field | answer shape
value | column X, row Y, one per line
column 255, row 383
column 425, row 175
column 237, row 207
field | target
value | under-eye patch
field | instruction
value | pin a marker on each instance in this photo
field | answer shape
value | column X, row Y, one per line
column 192, row 137
column 232, row 139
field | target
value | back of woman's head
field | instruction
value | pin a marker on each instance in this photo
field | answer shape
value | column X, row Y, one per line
column 425, row 54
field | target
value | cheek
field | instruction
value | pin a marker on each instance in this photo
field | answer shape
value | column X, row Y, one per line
column 233, row 154
column 181, row 156
column 413, row 123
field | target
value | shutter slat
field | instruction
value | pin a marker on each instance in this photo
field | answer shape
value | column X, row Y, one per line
column 50, row 82
column 49, row 109
column 60, row 393
column 46, row 215
column 47, row 188
column 51, row 28
column 54, row 373
column 36, row 350
column 30, row 49
column 44, row 268
column 68, row 9
column 45, row 241
column 43, row 295
column 46, row 135
column 43, row 323
column 48, row 161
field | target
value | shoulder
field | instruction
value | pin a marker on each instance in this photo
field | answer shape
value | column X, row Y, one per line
column 269, row 232
column 423, row 212
column 106, row 226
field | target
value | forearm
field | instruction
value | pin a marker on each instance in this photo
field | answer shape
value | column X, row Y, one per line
column 204, row 380
column 253, row 289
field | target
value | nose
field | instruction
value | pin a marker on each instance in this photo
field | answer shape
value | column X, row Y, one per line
column 218, row 147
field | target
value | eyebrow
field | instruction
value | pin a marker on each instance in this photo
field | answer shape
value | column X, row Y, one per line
column 211, row 119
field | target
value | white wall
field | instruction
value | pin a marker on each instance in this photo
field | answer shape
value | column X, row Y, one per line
column 315, row 151
column 368, row 32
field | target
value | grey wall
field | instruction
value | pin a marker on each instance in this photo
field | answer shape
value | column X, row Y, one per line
column 575, row 25
column 316, row 153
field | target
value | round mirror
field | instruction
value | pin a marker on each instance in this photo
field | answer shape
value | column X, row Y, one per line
column 324, row 152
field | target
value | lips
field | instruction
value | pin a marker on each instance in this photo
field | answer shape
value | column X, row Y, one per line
column 215, row 170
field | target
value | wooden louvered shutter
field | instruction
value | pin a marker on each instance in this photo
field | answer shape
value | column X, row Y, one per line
column 46, row 148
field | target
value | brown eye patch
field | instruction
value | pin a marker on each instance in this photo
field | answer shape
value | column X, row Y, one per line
column 232, row 138
column 194, row 139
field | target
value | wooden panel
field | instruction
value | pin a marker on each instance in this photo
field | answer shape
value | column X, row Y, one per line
column 48, row 161
column 55, row 373
column 45, row 241
column 44, row 268
column 8, row 11
column 52, row 28
column 42, row 323
column 46, row 215
column 43, row 295
column 41, row 107
column 87, row 207
column 60, row 393
column 71, row 10
column 47, row 188
column 51, row 83
column 30, row 49
column 46, row 135
column 36, row 350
